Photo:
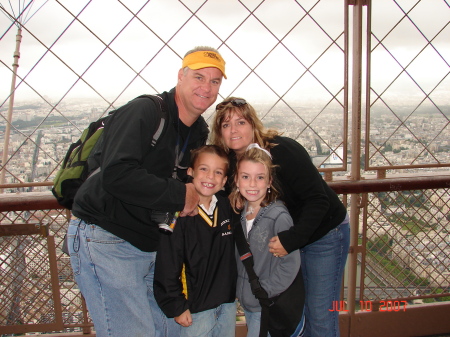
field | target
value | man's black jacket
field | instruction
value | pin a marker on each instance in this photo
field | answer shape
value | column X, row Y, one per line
column 136, row 178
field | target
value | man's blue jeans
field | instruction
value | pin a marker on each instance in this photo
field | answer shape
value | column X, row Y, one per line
column 323, row 264
column 116, row 280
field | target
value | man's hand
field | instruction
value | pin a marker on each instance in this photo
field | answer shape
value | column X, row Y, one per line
column 185, row 319
column 276, row 248
column 192, row 200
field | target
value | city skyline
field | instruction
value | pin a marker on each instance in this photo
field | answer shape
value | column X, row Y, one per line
column 37, row 158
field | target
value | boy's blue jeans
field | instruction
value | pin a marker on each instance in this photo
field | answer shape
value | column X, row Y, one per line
column 116, row 280
column 217, row 322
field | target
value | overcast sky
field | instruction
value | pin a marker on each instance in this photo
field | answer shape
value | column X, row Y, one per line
column 153, row 46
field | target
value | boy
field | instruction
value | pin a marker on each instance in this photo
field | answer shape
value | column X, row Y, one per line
column 195, row 272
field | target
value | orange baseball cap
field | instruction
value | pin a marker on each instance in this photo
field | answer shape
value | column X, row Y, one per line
column 204, row 59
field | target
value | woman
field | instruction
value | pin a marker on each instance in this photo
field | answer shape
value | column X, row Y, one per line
column 321, row 229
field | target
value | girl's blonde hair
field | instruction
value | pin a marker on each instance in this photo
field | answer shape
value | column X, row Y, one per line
column 257, row 156
column 226, row 109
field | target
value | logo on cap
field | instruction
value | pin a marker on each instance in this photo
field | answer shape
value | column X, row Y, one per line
column 211, row 55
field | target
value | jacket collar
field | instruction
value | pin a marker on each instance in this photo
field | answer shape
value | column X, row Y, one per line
column 200, row 124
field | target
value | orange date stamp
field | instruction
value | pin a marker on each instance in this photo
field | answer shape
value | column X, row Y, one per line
column 367, row 306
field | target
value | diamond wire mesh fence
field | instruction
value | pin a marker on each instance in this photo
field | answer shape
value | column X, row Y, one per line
column 287, row 58
column 406, row 236
column 36, row 290
column 26, row 293
column 408, row 107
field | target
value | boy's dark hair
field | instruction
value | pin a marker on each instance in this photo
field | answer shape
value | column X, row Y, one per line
column 213, row 149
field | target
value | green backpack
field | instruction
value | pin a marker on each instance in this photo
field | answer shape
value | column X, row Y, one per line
column 82, row 158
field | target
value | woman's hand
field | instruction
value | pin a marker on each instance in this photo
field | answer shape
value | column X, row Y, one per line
column 276, row 248
column 185, row 319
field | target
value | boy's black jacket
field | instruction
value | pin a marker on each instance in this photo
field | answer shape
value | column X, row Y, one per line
column 208, row 256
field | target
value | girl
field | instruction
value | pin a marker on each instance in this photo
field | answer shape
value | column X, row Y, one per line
column 263, row 216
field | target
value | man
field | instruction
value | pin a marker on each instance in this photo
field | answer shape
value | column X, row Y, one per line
column 113, row 242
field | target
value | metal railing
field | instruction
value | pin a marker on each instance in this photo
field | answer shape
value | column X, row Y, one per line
column 398, row 258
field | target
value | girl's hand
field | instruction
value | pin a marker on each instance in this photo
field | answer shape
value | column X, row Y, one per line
column 276, row 248
column 185, row 319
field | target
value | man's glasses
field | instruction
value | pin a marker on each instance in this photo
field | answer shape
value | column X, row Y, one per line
column 234, row 102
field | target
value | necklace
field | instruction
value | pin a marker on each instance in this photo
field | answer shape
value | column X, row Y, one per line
column 252, row 209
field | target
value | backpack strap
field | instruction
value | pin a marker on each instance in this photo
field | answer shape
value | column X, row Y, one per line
column 247, row 259
column 162, row 111
column 163, row 114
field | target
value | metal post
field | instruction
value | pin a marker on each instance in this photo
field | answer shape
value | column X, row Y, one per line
column 356, row 151
column 10, row 106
